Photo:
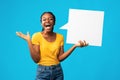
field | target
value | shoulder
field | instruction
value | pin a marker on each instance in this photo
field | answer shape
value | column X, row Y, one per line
column 59, row 35
column 36, row 34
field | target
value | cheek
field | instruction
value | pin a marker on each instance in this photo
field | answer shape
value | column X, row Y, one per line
column 52, row 22
column 42, row 23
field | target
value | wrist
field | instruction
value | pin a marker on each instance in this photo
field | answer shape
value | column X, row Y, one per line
column 28, row 40
column 74, row 45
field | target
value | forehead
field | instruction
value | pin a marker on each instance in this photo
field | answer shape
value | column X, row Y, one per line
column 47, row 15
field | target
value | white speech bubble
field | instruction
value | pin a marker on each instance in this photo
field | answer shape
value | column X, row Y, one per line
column 84, row 25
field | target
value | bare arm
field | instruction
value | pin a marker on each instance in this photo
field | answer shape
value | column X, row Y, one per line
column 34, row 49
column 63, row 55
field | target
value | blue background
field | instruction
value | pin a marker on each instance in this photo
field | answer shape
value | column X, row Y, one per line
column 90, row 63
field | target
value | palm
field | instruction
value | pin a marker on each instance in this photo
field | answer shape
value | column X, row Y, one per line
column 26, row 37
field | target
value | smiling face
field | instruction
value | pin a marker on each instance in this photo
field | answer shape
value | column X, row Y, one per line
column 48, row 21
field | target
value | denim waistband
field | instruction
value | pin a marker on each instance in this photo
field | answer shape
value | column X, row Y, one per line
column 49, row 67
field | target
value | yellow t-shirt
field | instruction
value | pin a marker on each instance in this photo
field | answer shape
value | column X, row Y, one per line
column 49, row 51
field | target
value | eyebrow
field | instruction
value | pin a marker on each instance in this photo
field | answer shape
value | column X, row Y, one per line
column 48, row 17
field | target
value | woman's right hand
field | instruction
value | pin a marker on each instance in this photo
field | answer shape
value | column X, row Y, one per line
column 26, row 37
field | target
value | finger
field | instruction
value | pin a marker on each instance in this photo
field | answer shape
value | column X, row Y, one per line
column 18, row 33
column 28, row 33
column 84, row 42
column 87, row 44
column 81, row 43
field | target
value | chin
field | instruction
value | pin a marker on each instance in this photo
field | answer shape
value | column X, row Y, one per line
column 49, row 30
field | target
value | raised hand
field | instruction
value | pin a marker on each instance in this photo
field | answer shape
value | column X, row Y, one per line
column 26, row 37
column 81, row 43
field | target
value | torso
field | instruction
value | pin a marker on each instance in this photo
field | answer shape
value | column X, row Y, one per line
column 49, row 47
column 49, row 38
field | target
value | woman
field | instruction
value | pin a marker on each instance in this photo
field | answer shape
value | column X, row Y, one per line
column 46, row 49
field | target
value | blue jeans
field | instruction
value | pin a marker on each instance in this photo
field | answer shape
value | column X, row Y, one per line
column 53, row 72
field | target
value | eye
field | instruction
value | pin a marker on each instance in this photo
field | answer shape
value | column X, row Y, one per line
column 43, row 19
column 51, row 19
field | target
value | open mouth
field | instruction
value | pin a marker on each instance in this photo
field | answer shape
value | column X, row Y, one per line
column 48, row 26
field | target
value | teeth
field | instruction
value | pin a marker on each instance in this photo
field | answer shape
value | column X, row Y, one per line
column 48, row 27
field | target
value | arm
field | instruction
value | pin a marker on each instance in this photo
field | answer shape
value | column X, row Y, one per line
column 63, row 55
column 34, row 49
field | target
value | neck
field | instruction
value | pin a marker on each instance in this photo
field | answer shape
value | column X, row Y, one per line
column 48, row 33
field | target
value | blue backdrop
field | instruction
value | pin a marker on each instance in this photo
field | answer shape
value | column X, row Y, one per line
column 90, row 63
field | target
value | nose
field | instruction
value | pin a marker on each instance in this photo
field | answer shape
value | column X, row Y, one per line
column 47, row 20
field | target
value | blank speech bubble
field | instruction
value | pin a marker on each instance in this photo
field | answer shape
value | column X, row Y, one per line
column 84, row 25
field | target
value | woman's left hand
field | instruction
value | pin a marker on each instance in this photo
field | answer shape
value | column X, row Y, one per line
column 81, row 43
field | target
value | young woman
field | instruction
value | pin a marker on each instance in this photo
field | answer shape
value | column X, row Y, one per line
column 46, row 49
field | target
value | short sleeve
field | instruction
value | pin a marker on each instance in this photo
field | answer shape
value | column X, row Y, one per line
column 36, row 39
column 62, row 40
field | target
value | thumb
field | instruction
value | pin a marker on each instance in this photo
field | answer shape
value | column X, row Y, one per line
column 28, row 33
